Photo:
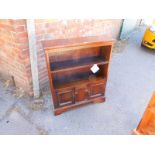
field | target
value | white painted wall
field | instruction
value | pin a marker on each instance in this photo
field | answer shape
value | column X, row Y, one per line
column 33, row 56
column 127, row 27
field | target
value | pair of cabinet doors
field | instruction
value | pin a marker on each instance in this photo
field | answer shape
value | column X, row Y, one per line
column 72, row 95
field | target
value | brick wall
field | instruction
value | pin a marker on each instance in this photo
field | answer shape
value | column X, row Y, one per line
column 56, row 29
column 14, row 48
column 14, row 52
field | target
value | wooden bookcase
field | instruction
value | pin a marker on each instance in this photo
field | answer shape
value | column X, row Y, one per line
column 147, row 123
column 69, row 61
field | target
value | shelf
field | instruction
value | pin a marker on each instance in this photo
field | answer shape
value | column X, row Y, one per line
column 77, row 81
column 75, row 64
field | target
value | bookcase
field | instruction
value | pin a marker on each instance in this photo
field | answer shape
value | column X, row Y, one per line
column 69, row 63
column 147, row 123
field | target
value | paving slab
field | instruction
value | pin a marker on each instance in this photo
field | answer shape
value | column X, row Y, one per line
column 15, row 124
column 7, row 100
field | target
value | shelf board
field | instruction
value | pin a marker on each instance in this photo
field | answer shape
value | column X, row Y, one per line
column 76, row 64
column 77, row 82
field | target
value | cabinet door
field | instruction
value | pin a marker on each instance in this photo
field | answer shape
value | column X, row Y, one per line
column 81, row 94
column 65, row 97
column 96, row 89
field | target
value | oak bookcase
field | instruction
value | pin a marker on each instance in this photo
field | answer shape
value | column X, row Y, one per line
column 147, row 123
column 69, row 61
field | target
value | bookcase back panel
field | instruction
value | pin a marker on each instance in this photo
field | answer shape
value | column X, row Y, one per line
column 101, row 72
column 74, row 54
column 74, row 77
column 106, row 52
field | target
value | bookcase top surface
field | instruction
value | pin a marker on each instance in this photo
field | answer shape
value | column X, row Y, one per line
column 59, row 43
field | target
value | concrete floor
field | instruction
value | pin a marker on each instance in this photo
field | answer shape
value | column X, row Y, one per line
column 130, row 86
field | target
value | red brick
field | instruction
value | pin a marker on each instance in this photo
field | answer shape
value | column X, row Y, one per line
column 22, row 34
column 19, row 22
column 20, row 28
column 8, row 27
column 14, row 57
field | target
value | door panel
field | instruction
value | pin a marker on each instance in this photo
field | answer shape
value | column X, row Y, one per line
column 96, row 90
column 65, row 97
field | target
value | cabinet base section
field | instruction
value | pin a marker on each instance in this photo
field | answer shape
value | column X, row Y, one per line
column 60, row 110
